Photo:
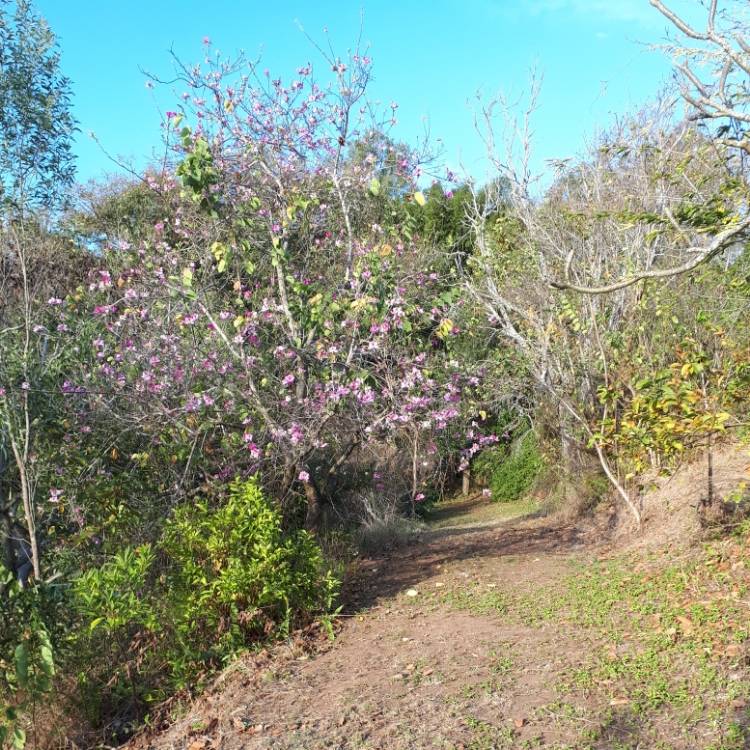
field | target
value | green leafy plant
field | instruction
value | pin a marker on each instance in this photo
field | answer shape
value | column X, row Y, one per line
column 236, row 576
column 221, row 578
column 510, row 471
column 27, row 664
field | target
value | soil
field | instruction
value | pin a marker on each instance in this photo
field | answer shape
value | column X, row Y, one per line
column 401, row 665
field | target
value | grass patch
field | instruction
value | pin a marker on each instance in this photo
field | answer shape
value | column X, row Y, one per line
column 665, row 644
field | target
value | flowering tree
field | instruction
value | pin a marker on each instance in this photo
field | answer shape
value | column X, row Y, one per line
column 271, row 322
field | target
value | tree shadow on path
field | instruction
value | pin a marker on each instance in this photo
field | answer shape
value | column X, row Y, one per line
column 381, row 576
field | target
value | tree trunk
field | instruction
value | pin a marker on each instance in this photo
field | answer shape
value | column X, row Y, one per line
column 314, row 509
column 6, row 538
column 620, row 489
column 466, row 481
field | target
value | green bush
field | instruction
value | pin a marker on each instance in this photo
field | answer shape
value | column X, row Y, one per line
column 510, row 471
column 236, row 576
column 27, row 664
column 219, row 580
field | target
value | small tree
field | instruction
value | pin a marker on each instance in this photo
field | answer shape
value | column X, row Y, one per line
column 36, row 125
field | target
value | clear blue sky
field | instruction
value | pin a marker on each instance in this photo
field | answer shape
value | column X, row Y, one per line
column 431, row 57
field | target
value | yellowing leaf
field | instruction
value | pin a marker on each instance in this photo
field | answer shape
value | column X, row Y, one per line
column 419, row 198
column 445, row 327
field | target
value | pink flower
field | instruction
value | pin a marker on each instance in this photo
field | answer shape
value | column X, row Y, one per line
column 55, row 495
column 295, row 434
column 54, row 301
column 486, row 492
column 304, row 477
column 288, row 379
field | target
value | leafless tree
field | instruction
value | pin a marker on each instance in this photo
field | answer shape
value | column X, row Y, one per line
column 712, row 69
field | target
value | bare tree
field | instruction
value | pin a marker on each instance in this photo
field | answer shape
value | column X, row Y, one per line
column 639, row 198
column 719, row 93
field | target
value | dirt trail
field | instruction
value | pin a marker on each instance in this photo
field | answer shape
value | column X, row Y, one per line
column 413, row 666
column 449, row 644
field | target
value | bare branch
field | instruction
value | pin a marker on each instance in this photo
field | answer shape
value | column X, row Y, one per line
column 720, row 243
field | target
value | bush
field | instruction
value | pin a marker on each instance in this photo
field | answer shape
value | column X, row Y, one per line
column 510, row 471
column 219, row 580
column 387, row 533
column 27, row 664
column 236, row 576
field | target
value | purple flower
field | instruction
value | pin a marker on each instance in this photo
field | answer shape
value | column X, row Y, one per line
column 295, row 434
column 193, row 403
column 54, row 301
column 304, row 477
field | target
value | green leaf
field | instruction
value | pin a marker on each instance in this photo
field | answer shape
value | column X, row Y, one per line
column 19, row 738
column 187, row 277
column 95, row 623
column 22, row 664
column 375, row 186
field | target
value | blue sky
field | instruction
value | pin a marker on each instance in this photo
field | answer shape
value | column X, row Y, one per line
column 431, row 57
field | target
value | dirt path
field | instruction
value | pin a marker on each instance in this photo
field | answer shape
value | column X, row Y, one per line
column 460, row 641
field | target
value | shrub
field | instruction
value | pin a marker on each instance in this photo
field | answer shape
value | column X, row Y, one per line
column 510, row 471
column 237, row 577
column 219, row 580
column 27, row 660
column 387, row 533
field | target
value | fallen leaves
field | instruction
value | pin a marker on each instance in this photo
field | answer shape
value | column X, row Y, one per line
column 686, row 624
column 619, row 702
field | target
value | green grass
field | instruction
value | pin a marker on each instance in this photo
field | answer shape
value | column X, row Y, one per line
column 461, row 512
column 669, row 660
